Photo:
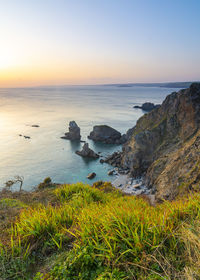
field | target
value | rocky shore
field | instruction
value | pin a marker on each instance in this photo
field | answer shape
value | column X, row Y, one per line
column 164, row 146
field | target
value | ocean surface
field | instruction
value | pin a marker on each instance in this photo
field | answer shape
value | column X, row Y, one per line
column 46, row 154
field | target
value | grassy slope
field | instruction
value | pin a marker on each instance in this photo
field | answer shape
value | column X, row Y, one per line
column 79, row 232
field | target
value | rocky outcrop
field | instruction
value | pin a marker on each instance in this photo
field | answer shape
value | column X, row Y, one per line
column 87, row 152
column 107, row 135
column 74, row 132
column 114, row 159
column 147, row 106
column 164, row 146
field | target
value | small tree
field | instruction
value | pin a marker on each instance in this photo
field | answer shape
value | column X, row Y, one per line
column 17, row 179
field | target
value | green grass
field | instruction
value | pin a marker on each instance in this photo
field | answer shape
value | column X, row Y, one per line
column 6, row 203
column 98, row 233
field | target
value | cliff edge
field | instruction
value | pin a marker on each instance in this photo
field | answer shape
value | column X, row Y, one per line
column 164, row 146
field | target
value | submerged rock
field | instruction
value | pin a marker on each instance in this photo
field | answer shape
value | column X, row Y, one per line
column 87, row 152
column 106, row 134
column 91, row 175
column 74, row 132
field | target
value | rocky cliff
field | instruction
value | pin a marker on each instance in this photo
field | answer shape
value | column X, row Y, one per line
column 164, row 146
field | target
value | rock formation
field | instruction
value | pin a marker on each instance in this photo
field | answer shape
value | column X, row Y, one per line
column 91, row 175
column 147, row 106
column 107, row 135
column 74, row 132
column 111, row 172
column 164, row 146
column 114, row 159
column 87, row 152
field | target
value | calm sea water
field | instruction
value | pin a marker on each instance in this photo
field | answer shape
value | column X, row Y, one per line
column 45, row 154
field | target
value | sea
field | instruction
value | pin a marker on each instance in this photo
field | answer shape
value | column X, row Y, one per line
column 45, row 154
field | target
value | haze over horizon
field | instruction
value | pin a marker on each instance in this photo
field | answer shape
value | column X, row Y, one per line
column 96, row 42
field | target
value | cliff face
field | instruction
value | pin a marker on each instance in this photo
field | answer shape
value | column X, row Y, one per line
column 164, row 146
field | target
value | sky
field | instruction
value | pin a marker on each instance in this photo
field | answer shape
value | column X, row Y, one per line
column 58, row 42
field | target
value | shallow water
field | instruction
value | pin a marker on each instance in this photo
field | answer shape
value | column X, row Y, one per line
column 45, row 154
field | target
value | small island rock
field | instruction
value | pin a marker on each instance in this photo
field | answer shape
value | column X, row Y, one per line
column 35, row 125
column 106, row 134
column 91, row 175
column 147, row 106
column 87, row 152
column 74, row 132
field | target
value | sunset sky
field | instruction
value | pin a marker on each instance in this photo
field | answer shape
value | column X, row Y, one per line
column 52, row 42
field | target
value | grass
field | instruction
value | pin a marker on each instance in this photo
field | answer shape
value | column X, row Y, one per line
column 6, row 203
column 91, row 233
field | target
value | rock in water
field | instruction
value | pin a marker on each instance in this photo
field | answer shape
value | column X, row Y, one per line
column 74, row 132
column 35, row 125
column 114, row 159
column 87, row 152
column 106, row 134
column 111, row 172
column 147, row 106
column 91, row 175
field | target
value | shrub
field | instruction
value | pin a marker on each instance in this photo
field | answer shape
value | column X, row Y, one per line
column 47, row 183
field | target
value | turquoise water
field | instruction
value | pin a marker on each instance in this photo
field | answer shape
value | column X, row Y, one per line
column 45, row 154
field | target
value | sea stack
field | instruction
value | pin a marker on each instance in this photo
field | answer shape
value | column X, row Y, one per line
column 87, row 152
column 74, row 132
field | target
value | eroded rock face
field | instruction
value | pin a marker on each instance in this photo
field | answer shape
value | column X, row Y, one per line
column 164, row 146
column 106, row 134
column 87, row 152
column 74, row 132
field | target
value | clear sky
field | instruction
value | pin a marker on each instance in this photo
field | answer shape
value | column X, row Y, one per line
column 98, row 41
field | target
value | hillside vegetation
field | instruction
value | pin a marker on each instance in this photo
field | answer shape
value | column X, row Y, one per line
column 82, row 232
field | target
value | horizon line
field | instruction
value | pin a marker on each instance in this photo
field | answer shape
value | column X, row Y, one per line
column 103, row 84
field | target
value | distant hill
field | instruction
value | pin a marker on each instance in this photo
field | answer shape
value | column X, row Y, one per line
column 166, row 85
